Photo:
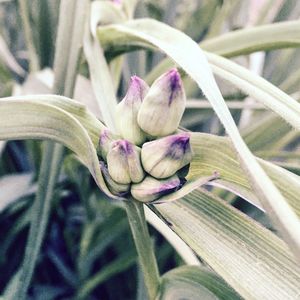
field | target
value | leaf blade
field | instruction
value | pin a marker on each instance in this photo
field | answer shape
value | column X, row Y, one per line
column 256, row 263
column 153, row 33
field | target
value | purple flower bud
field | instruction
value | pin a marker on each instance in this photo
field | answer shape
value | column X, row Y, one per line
column 118, row 2
column 164, row 157
column 115, row 188
column 105, row 141
column 151, row 189
column 127, row 111
column 163, row 106
column 124, row 162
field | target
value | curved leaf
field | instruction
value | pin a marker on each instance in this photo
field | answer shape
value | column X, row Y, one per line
column 211, row 154
column 245, row 41
column 257, row 87
column 152, row 33
column 197, row 283
column 256, row 38
column 250, row 258
column 21, row 118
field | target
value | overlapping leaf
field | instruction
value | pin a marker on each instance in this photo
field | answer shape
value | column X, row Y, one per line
column 191, row 282
column 22, row 118
column 204, row 222
column 149, row 33
column 255, row 262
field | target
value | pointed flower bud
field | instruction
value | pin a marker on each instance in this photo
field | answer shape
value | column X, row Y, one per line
column 164, row 157
column 127, row 111
column 124, row 162
column 163, row 106
column 116, row 188
column 105, row 140
column 151, row 188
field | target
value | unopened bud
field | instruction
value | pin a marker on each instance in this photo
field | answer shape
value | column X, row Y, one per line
column 151, row 188
column 105, row 140
column 164, row 157
column 127, row 111
column 116, row 188
column 124, row 162
column 163, row 106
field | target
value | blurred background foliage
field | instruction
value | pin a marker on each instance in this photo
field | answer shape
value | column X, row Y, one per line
column 88, row 251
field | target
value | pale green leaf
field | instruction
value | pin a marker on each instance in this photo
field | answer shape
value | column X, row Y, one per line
column 194, row 283
column 258, row 88
column 245, row 41
column 214, row 154
column 257, row 38
column 250, row 258
column 99, row 71
column 152, row 33
column 22, row 118
column 186, row 253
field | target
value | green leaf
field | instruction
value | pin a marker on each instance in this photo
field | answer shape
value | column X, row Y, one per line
column 191, row 282
column 150, row 33
column 250, row 258
column 214, row 154
column 22, row 118
column 256, row 38
column 258, row 88
column 211, row 153
column 100, row 75
column 120, row 264
column 186, row 253
column 245, row 41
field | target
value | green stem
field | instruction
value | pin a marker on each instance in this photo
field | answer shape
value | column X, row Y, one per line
column 34, row 64
column 65, row 70
column 139, row 229
column 40, row 213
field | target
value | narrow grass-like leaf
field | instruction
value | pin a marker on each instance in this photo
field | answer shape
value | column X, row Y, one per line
column 153, row 33
column 245, row 41
column 122, row 263
column 32, row 53
column 252, row 39
column 186, row 253
column 8, row 59
column 214, row 154
column 258, row 88
column 169, row 40
column 100, row 75
column 250, row 258
column 197, row 283
column 32, row 120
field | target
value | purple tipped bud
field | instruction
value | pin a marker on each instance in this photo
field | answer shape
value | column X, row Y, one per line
column 124, row 162
column 118, row 2
column 105, row 140
column 127, row 111
column 163, row 106
column 151, row 189
column 116, row 188
column 164, row 157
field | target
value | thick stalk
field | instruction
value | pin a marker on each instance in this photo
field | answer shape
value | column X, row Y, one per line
column 147, row 260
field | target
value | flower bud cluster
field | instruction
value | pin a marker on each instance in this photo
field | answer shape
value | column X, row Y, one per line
column 146, row 159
